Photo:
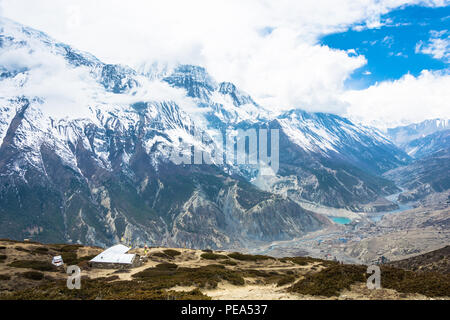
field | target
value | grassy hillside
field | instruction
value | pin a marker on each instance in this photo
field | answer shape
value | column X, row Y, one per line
column 437, row 261
column 26, row 273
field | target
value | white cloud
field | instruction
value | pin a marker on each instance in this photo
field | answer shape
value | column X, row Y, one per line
column 68, row 92
column 283, row 72
column 64, row 91
column 438, row 46
column 282, row 68
column 407, row 100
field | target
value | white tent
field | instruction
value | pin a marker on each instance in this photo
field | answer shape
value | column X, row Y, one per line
column 57, row 261
column 116, row 254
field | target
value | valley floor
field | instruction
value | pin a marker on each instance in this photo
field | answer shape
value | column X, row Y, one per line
column 393, row 235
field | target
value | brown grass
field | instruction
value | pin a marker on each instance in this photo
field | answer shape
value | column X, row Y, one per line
column 92, row 289
column 40, row 250
column 172, row 253
column 330, row 281
column 213, row 256
column 33, row 264
column 248, row 257
column 228, row 263
column 203, row 277
column 32, row 275
column 431, row 284
column 303, row 261
column 5, row 277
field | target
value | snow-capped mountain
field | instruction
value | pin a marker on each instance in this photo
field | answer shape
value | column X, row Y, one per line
column 85, row 154
column 333, row 136
column 326, row 158
column 428, row 143
column 404, row 134
column 85, row 151
column 422, row 147
column 426, row 175
column 225, row 105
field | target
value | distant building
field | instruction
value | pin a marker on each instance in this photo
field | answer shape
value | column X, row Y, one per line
column 116, row 258
column 382, row 260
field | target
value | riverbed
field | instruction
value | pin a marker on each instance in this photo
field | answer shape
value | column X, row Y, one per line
column 377, row 216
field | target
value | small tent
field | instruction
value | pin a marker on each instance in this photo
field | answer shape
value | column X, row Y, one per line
column 57, row 261
column 115, row 257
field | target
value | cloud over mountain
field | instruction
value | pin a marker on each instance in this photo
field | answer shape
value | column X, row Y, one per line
column 269, row 49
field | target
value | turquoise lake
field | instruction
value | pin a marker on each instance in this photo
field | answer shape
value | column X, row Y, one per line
column 341, row 220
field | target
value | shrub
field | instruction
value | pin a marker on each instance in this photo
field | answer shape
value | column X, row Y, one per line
column 111, row 278
column 22, row 249
column 70, row 258
column 258, row 273
column 17, row 241
column 207, row 276
column 40, row 250
column 329, row 282
column 33, row 275
column 172, row 253
column 213, row 256
column 195, row 294
column 161, row 255
column 166, row 266
column 167, row 254
column 33, row 264
column 248, row 257
column 86, row 258
column 285, row 280
column 70, row 248
column 101, row 289
column 5, row 277
column 302, row 261
column 228, row 263
column 84, row 265
column 269, row 277
column 2, row 247
column 122, row 271
column 430, row 284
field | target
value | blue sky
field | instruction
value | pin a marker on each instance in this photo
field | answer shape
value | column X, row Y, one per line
column 394, row 49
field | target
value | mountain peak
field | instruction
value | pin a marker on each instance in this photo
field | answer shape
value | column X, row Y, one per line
column 238, row 97
column 404, row 134
column 227, row 88
column 197, row 82
column 197, row 74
